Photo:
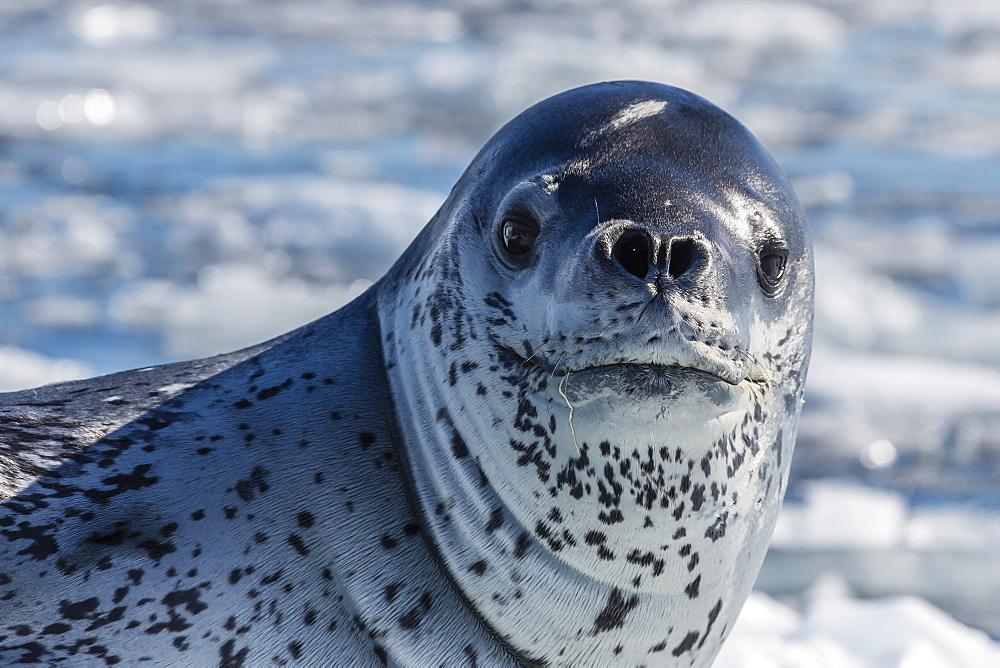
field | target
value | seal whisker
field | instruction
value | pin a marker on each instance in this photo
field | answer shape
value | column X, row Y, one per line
column 528, row 358
column 572, row 408
column 556, row 367
column 552, row 375
column 746, row 354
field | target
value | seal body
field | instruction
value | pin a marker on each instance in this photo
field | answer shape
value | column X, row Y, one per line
column 558, row 431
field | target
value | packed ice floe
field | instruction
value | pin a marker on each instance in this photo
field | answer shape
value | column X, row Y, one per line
column 835, row 630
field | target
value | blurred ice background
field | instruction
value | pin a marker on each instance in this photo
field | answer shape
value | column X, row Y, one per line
column 181, row 179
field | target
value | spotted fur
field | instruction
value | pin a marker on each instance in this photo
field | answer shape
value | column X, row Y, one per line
column 471, row 464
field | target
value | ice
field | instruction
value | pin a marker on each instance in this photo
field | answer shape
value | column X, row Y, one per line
column 886, row 548
column 338, row 229
column 937, row 411
column 73, row 232
column 838, row 514
column 21, row 368
column 233, row 306
column 756, row 25
column 769, row 634
column 64, row 311
column 903, row 631
column 836, row 630
column 273, row 255
column 898, row 383
column 897, row 366
column 107, row 23
column 954, row 529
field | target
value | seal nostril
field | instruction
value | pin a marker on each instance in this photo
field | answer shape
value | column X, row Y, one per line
column 682, row 255
column 631, row 251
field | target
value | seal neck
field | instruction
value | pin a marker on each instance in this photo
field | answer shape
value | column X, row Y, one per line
column 604, row 533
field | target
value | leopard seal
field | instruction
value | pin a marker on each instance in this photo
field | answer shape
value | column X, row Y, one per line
column 558, row 431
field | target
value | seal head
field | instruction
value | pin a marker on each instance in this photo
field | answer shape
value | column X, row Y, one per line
column 596, row 352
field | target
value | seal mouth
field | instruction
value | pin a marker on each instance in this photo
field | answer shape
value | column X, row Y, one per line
column 642, row 381
column 650, row 376
column 652, row 370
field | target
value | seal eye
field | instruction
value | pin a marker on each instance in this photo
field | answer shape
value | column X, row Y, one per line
column 518, row 235
column 771, row 268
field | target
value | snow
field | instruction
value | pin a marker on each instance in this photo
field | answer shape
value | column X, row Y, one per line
column 836, row 514
column 911, row 402
column 839, row 514
column 836, row 630
column 233, row 306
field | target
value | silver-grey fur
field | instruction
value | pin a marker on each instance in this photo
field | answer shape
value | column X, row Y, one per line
column 559, row 457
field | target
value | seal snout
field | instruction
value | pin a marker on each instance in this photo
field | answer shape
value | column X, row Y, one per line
column 656, row 258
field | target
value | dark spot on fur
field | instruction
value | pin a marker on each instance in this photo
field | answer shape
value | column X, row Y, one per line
column 229, row 658
column 272, row 578
column 718, row 528
column 712, row 616
column 390, row 591
column 686, row 644
column 124, row 482
column 496, row 520
column 78, row 610
column 189, row 598
column 272, row 391
column 296, row 541
column 157, row 549
column 55, row 628
column 693, row 588
column 614, row 613
column 42, row 544
column 521, row 547
column 458, row 447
